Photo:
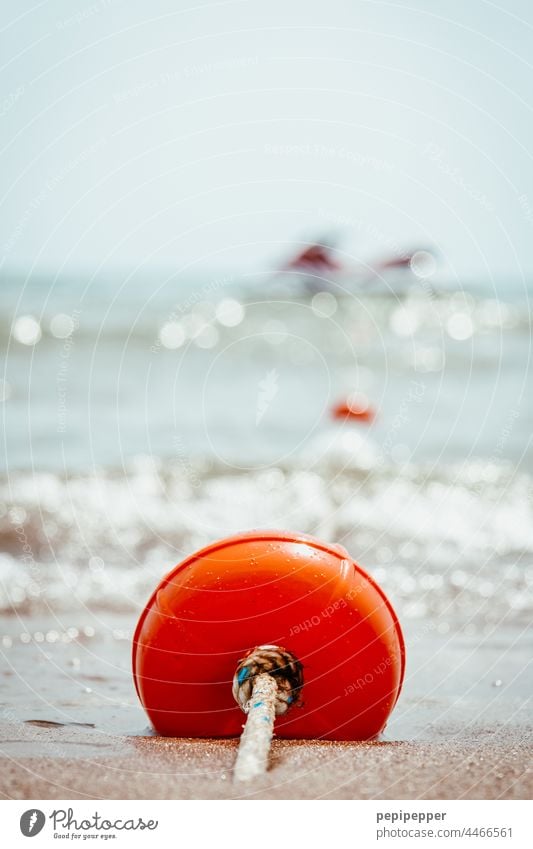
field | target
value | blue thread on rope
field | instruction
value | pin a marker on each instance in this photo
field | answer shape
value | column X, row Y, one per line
column 258, row 704
column 243, row 675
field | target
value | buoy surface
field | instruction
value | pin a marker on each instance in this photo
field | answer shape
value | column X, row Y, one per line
column 269, row 587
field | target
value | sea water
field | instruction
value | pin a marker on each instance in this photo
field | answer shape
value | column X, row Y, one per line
column 144, row 416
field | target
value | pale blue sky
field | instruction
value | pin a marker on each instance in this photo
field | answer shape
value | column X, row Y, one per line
column 168, row 132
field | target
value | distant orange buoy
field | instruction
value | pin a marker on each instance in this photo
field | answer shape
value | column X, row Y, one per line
column 355, row 406
column 271, row 602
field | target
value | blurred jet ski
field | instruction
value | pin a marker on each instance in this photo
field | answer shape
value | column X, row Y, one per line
column 318, row 268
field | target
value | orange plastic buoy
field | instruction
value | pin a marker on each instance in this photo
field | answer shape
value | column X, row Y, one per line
column 354, row 407
column 260, row 589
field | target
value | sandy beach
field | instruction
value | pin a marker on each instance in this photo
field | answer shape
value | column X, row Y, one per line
column 74, row 728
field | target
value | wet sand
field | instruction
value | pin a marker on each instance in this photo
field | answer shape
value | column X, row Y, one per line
column 71, row 726
column 192, row 769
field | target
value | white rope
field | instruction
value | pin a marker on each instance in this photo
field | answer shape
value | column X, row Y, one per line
column 254, row 747
column 266, row 684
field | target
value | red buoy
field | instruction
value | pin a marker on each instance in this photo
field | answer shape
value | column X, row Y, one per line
column 356, row 406
column 269, row 588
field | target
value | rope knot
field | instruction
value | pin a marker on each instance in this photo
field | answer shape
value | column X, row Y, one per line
column 277, row 662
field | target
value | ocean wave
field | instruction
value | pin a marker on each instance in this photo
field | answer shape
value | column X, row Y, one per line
column 454, row 543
